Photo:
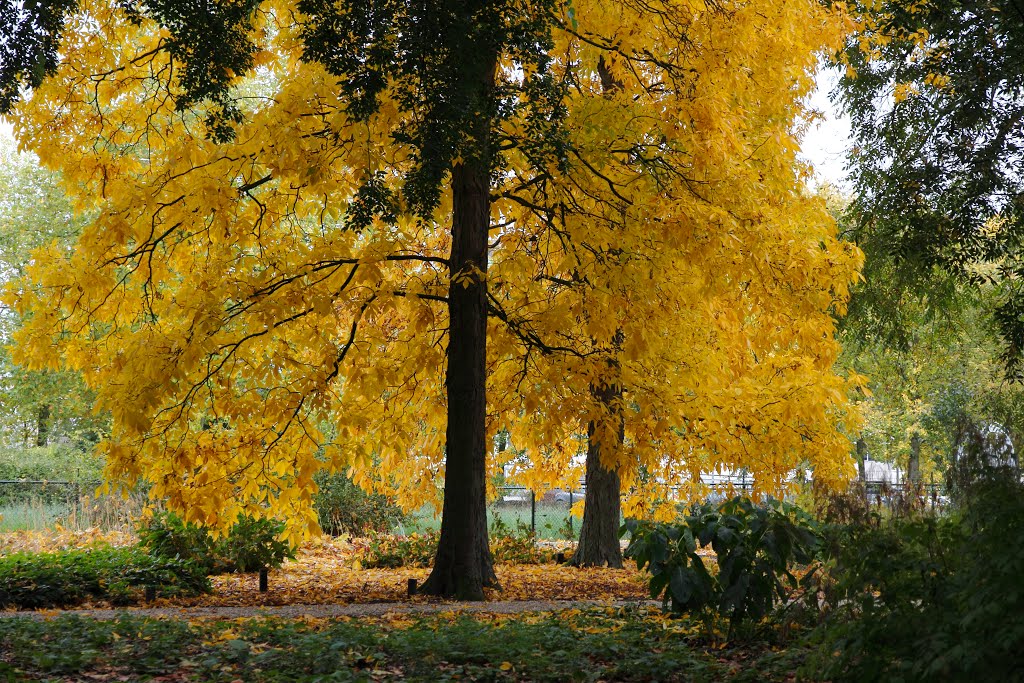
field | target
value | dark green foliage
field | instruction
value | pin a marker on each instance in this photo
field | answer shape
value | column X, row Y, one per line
column 755, row 547
column 254, row 544
column 29, row 38
column 250, row 545
column 210, row 43
column 933, row 169
column 342, row 507
column 436, row 59
column 928, row 599
column 595, row 645
column 62, row 579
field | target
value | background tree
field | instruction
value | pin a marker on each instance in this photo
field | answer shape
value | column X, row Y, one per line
column 36, row 407
column 692, row 351
column 935, row 91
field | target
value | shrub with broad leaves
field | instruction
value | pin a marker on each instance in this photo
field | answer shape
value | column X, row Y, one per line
column 756, row 548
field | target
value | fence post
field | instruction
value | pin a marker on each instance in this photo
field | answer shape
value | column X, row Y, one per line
column 533, row 511
column 571, row 530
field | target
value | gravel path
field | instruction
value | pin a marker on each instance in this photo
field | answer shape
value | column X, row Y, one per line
column 327, row 611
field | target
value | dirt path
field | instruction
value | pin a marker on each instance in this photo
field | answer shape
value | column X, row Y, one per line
column 373, row 609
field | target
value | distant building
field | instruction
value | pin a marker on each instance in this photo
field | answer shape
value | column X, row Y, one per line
column 878, row 472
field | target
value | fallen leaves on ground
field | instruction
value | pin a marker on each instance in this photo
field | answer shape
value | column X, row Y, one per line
column 324, row 573
column 53, row 540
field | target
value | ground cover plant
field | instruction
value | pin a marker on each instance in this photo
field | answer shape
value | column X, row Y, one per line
column 71, row 577
column 329, row 570
column 573, row 645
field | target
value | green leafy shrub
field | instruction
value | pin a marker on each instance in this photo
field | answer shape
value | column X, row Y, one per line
column 70, row 577
column 508, row 545
column 50, row 464
column 516, row 545
column 755, row 547
column 928, row 598
column 250, row 545
column 165, row 534
column 342, row 507
column 254, row 544
column 391, row 552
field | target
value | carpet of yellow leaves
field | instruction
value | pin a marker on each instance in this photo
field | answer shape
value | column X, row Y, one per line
column 59, row 538
column 326, row 571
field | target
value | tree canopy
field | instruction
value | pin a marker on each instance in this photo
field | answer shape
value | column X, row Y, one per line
column 935, row 91
column 365, row 235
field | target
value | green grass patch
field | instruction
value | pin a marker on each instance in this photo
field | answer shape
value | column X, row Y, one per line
column 31, row 515
column 607, row 645
column 551, row 521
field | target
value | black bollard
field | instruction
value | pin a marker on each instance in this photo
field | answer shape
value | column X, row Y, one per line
column 263, row 580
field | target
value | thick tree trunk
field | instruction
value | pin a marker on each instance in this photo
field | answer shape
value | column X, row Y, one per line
column 914, row 463
column 599, row 533
column 862, row 451
column 602, row 509
column 42, row 425
column 463, row 565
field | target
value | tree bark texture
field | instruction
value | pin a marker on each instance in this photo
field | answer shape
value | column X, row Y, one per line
column 463, row 566
column 42, row 425
column 602, row 510
column 862, row 451
column 914, row 461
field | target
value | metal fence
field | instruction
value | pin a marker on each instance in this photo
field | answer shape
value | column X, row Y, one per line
column 37, row 504
column 40, row 504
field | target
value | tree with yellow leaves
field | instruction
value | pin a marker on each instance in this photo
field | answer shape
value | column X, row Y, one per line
column 307, row 209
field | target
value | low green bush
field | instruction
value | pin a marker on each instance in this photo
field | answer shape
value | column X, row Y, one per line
column 70, row 577
column 49, row 463
column 508, row 545
column 391, row 552
column 755, row 546
column 342, row 507
column 928, row 598
column 250, row 545
column 254, row 544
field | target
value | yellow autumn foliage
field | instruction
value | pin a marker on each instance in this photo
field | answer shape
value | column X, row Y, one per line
column 244, row 339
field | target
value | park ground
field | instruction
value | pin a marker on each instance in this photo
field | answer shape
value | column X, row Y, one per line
column 324, row 617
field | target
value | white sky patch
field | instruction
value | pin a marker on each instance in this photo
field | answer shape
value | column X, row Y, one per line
column 825, row 145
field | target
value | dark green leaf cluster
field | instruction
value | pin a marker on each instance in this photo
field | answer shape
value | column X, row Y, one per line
column 438, row 60
column 939, row 170
column 211, row 43
column 70, row 577
column 29, row 39
column 927, row 599
column 755, row 546
column 250, row 545
column 342, row 507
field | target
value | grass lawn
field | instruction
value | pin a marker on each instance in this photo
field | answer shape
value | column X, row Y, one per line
column 596, row 645
column 32, row 515
column 552, row 520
